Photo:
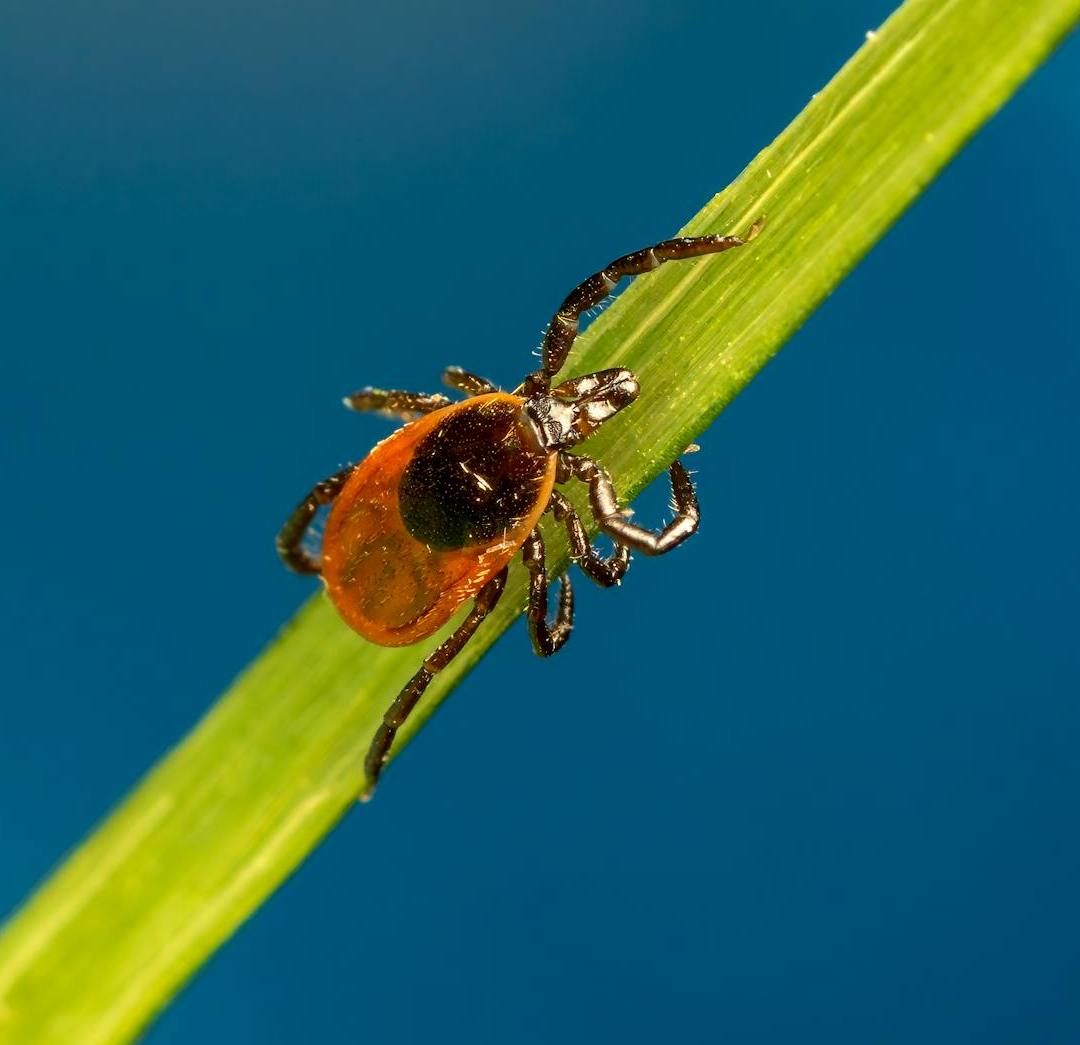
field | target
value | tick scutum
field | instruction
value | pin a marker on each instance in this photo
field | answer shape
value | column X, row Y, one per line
column 471, row 478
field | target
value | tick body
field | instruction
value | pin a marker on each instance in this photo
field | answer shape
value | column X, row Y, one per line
column 434, row 515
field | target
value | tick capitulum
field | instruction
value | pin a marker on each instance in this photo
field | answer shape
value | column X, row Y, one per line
column 433, row 515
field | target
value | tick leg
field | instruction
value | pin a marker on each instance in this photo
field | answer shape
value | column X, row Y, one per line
column 546, row 638
column 605, row 508
column 407, row 699
column 464, row 381
column 406, row 405
column 290, row 539
column 564, row 324
column 604, row 571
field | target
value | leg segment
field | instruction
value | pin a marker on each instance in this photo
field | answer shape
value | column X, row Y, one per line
column 604, row 571
column 564, row 324
column 405, row 405
column 407, row 699
column 605, row 507
column 290, row 539
column 464, row 381
column 546, row 638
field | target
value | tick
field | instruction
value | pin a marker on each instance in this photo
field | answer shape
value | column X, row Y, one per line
column 434, row 514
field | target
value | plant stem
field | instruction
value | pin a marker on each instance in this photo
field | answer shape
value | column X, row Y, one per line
column 227, row 815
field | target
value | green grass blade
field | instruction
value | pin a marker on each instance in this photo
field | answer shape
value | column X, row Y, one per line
column 224, row 818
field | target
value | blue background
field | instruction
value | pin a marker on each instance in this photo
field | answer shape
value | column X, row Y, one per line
column 217, row 218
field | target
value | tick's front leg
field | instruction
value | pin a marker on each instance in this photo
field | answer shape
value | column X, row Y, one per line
column 605, row 507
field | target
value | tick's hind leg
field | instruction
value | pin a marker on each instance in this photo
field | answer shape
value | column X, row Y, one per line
column 404, row 405
column 604, row 571
column 407, row 699
column 546, row 638
column 469, row 383
column 564, row 324
column 605, row 507
column 290, row 539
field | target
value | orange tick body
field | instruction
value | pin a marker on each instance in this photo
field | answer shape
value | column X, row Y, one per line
column 433, row 515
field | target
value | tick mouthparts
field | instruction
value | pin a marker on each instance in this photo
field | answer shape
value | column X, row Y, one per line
column 552, row 422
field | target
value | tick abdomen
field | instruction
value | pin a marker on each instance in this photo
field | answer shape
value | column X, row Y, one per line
column 423, row 524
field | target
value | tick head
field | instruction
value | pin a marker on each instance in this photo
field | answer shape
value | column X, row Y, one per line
column 576, row 408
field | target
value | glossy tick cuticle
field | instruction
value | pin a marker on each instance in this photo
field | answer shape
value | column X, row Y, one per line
column 434, row 514
column 469, row 476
